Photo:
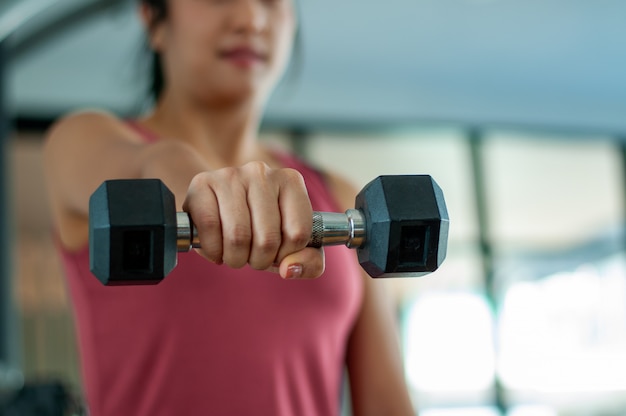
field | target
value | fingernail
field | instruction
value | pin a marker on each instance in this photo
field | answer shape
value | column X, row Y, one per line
column 294, row 271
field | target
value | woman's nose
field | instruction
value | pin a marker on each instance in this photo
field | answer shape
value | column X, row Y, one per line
column 249, row 16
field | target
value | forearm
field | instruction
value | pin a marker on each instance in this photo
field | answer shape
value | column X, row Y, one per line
column 174, row 163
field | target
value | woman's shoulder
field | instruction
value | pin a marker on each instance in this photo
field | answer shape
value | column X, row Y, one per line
column 85, row 119
column 88, row 125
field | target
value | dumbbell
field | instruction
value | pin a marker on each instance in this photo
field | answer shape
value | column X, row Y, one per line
column 399, row 228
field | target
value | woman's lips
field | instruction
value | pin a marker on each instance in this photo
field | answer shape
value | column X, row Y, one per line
column 243, row 57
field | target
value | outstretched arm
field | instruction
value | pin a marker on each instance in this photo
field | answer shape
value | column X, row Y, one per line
column 250, row 214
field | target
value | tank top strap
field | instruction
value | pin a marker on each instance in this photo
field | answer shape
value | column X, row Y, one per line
column 146, row 134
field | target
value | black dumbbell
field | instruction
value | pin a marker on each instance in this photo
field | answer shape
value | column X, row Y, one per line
column 399, row 227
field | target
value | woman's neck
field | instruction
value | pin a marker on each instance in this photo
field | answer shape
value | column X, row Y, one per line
column 224, row 135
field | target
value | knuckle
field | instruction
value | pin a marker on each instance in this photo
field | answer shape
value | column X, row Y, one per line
column 239, row 237
column 229, row 173
column 269, row 242
column 299, row 236
column 292, row 176
column 198, row 181
column 257, row 167
column 259, row 174
column 206, row 221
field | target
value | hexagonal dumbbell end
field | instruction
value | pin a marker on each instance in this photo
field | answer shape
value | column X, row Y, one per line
column 407, row 226
column 132, row 232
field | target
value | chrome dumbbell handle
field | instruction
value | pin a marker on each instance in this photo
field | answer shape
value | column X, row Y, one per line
column 329, row 229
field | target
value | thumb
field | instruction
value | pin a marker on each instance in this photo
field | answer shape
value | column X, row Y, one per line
column 304, row 264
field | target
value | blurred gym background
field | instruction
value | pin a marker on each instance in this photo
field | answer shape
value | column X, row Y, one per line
column 516, row 107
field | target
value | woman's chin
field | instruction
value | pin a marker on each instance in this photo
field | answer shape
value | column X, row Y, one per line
column 231, row 95
column 228, row 84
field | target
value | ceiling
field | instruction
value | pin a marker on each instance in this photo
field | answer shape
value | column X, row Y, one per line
column 558, row 64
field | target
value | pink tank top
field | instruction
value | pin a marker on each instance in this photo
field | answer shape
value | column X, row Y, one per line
column 210, row 340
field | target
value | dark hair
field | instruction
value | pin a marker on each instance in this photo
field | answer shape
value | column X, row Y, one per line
column 157, row 77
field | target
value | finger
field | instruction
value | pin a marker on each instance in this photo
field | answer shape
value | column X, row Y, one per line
column 265, row 223
column 234, row 217
column 296, row 213
column 303, row 264
column 201, row 204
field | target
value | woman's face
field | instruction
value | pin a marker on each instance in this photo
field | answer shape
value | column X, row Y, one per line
column 225, row 50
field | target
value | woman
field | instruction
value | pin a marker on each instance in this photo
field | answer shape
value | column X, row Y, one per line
column 222, row 335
